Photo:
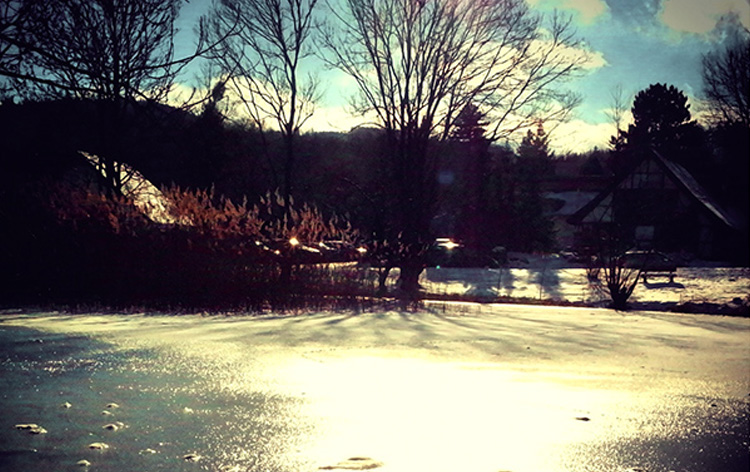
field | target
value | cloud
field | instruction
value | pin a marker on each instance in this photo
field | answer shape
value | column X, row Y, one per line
column 701, row 16
column 594, row 60
column 572, row 136
column 580, row 136
column 585, row 57
column 586, row 10
column 182, row 94
column 334, row 118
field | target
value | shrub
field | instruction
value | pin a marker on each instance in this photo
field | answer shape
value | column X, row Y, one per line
column 604, row 250
column 210, row 253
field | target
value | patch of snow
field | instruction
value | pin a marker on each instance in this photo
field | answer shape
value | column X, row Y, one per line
column 146, row 196
column 549, row 277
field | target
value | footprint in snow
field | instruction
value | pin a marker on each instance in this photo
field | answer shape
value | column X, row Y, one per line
column 31, row 428
column 354, row 463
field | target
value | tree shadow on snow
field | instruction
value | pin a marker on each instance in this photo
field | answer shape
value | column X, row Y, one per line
column 477, row 282
column 548, row 281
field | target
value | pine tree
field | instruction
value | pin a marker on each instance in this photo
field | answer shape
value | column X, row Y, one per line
column 662, row 121
column 471, row 162
column 469, row 126
column 534, row 229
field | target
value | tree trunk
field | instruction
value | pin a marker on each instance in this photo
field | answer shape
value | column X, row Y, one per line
column 382, row 279
column 285, row 277
column 408, row 281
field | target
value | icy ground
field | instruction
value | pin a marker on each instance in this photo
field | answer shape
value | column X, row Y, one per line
column 458, row 387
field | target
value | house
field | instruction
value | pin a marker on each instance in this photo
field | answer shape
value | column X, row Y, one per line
column 563, row 196
column 659, row 205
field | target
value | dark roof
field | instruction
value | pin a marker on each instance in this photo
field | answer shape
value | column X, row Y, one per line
column 577, row 217
column 685, row 180
column 682, row 178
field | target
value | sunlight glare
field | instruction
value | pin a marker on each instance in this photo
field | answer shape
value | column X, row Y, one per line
column 414, row 414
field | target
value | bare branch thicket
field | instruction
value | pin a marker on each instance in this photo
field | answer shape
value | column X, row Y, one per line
column 106, row 49
column 11, row 19
column 418, row 64
column 726, row 81
column 116, row 52
column 620, row 278
column 263, row 60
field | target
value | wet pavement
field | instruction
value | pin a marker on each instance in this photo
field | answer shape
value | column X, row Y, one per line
column 506, row 388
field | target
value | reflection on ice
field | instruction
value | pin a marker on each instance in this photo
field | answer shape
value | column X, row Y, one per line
column 502, row 390
column 421, row 415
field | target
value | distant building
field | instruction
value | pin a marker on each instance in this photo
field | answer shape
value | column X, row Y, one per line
column 566, row 192
column 662, row 207
column 559, row 207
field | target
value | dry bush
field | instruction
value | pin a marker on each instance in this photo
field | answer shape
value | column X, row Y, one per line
column 85, row 209
column 270, row 220
column 305, row 222
column 215, row 217
column 211, row 253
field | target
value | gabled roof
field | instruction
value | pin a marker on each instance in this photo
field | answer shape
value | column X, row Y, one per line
column 577, row 217
column 682, row 179
column 697, row 192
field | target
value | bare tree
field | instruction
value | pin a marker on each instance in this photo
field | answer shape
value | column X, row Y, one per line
column 113, row 51
column 417, row 64
column 11, row 19
column 108, row 49
column 726, row 80
column 608, row 251
column 263, row 59
column 619, row 105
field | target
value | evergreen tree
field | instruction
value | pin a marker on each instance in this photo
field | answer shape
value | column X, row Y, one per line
column 662, row 121
column 206, row 159
column 534, row 151
column 471, row 161
column 661, row 114
column 470, row 126
column 534, row 231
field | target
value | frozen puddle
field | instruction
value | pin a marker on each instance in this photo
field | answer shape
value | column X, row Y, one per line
column 511, row 388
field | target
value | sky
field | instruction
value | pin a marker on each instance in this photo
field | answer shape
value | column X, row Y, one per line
column 632, row 44
column 640, row 42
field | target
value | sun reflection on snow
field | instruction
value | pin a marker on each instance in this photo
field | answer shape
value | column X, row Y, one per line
column 262, row 399
column 419, row 415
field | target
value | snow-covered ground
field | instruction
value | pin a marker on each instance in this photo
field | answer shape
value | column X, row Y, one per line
column 466, row 387
column 551, row 277
column 458, row 386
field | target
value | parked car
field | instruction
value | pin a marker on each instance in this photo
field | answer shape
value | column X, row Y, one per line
column 292, row 249
column 340, row 251
column 446, row 252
